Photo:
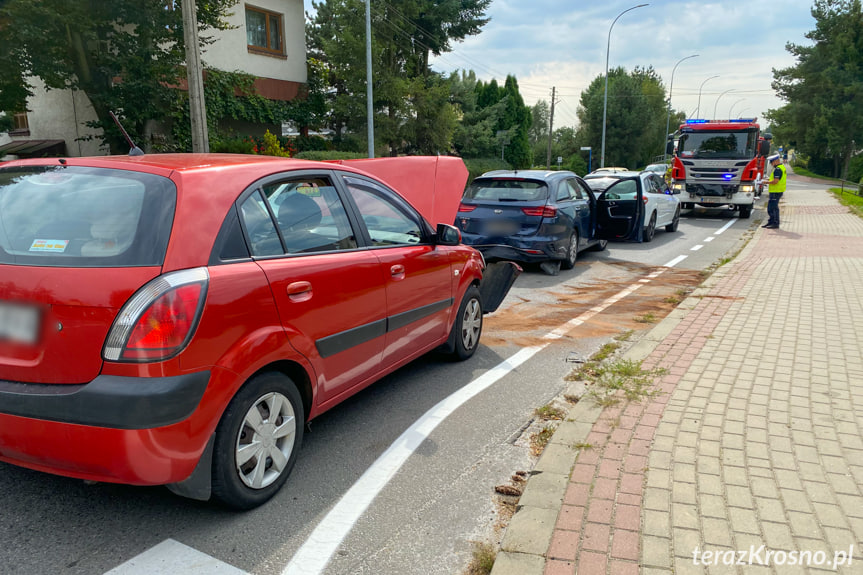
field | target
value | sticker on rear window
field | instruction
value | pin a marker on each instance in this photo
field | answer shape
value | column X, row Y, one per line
column 58, row 246
column 311, row 191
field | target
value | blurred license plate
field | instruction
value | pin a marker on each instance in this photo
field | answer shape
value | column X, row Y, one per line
column 711, row 200
column 501, row 227
column 19, row 323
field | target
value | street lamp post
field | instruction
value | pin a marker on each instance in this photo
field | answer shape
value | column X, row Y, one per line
column 732, row 107
column 717, row 101
column 668, row 117
column 605, row 99
column 698, row 109
column 370, row 110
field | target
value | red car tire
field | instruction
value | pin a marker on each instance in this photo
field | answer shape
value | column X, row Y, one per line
column 257, row 441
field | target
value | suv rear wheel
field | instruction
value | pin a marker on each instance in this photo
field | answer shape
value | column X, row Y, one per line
column 571, row 252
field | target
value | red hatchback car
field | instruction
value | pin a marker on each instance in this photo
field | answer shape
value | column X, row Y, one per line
column 176, row 319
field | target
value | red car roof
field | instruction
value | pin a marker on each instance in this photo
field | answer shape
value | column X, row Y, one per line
column 432, row 184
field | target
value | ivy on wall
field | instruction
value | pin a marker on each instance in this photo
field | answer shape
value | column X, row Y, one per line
column 232, row 96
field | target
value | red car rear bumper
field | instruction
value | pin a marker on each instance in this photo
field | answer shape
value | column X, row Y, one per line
column 139, row 431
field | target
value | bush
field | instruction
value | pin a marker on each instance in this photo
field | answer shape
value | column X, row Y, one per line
column 235, row 145
column 312, row 144
column 320, row 156
column 478, row 166
column 272, row 145
column 576, row 163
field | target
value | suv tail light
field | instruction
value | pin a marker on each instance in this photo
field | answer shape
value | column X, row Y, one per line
column 159, row 320
column 544, row 211
column 466, row 208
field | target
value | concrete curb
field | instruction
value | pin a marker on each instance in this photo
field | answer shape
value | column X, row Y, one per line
column 529, row 534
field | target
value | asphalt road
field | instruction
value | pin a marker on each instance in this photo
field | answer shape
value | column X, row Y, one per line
column 424, row 516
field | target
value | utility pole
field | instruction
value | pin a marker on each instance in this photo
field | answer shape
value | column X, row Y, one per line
column 195, row 79
column 550, row 131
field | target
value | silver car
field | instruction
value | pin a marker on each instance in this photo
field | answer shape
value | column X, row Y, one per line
column 617, row 192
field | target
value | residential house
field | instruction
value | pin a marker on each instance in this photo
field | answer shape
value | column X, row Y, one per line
column 266, row 39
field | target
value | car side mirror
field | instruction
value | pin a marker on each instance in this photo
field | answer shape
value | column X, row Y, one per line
column 447, row 235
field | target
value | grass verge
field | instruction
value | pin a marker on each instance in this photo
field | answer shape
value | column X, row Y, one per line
column 849, row 199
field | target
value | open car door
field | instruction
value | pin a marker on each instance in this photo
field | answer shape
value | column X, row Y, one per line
column 620, row 211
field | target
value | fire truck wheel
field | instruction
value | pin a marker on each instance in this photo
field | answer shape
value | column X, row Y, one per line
column 745, row 212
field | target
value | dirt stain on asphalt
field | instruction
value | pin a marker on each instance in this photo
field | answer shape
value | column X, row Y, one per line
column 525, row 322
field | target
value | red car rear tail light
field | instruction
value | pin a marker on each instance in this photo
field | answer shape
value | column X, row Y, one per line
column 159, row 320
column 544, row 211
column 466, row 208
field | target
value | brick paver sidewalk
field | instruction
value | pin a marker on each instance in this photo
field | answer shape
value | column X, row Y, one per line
column 753, row 450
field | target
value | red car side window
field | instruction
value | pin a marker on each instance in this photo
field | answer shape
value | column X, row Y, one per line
column 386, row 222
column 310, row 215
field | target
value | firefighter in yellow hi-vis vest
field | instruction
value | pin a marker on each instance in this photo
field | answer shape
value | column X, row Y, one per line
column 777, row 181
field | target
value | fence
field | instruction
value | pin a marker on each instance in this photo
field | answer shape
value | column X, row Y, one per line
column 851, row 188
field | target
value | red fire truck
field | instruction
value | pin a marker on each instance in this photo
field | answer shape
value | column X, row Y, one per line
column 720, row 163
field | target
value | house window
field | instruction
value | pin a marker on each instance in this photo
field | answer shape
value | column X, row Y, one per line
column 264, row 31
column 20, row 125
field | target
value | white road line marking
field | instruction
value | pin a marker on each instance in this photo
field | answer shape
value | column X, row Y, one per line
column 675, row 261
column 709, row 239
column 696, row 248
column 314, row 555
column 725, row 227
column 171, row 557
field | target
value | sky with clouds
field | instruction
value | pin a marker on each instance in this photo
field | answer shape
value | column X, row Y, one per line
column 562, row 43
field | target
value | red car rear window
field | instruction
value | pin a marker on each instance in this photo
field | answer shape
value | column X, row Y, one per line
column 74, row 216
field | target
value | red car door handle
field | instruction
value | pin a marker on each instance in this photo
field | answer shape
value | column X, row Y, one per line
column 397, row 271
column 299, row 291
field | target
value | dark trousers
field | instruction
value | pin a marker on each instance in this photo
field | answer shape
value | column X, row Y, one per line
column 773, row 209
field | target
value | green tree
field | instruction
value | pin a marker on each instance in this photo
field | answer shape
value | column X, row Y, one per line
column 125, row 55
column 475, row 133
column 409, row 99
column 635, row 128
column 432, row 131
column 538, row 133
column 495, row 119
column 824, row 89
column 518, row 121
